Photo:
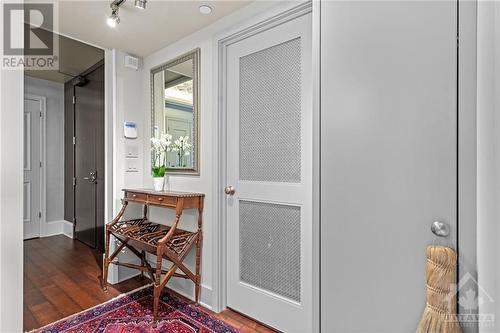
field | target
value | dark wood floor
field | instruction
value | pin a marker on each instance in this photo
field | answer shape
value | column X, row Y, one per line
column 61, row 277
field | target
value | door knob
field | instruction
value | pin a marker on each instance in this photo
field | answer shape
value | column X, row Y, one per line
column 440, row 229
column 229, row 190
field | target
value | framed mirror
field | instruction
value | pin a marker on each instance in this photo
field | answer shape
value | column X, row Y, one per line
column 175, row 112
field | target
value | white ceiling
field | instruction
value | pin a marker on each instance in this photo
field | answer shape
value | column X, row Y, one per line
column 184, row 68
column 74, row 59
column 140, row 32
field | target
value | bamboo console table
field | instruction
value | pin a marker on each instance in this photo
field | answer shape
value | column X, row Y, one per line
column 141, row 236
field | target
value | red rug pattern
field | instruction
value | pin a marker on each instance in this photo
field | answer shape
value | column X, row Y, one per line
column 133, row 313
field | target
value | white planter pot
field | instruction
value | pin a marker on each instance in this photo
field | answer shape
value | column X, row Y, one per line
column 158, row 183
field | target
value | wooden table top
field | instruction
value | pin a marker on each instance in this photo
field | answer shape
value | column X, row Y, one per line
column 177, row 194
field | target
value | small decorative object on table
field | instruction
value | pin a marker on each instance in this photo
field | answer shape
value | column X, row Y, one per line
column 159, row 149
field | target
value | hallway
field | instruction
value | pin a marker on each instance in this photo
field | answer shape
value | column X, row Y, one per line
column 61, row 278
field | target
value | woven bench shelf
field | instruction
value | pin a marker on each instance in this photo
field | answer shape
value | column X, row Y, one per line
column 149, row 234
column 142, row 236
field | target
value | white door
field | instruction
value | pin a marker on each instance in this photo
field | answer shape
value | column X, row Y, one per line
column 178, row 127
column 269, row 154
column 33, row 111
column 389, row 157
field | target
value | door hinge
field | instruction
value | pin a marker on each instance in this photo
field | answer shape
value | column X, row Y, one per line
column 40, row 164
column 74, row 181
column 41, row 114
column 74, row 140
column 74, row 221
column 74, row 99
column 39, row 215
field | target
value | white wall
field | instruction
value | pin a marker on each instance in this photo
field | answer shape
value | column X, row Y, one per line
column 54, row 129
column 128, row 105
column 205, row 182
column 488, row 157
column 11, row 200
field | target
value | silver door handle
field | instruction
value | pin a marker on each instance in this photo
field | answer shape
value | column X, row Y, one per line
column 229, row 190
column 92, row 178
column 440, row 229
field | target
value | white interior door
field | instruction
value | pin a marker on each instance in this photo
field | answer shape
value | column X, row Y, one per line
column 269, row 154
column 389, row 157
column 33, row 110
column 178, row 127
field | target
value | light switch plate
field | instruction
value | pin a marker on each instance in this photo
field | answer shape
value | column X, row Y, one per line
column 132, row 151
column 131, row 165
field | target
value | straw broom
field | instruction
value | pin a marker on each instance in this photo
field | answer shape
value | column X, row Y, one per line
column 440, row 311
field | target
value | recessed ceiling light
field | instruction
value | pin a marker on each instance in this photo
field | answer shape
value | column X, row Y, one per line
column 205, row 9
column 141, row 4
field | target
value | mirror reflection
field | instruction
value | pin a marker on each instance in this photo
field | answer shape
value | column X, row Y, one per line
column 175, row 112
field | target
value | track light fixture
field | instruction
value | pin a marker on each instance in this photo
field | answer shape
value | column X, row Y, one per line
column 114, row 19
column 141, row 4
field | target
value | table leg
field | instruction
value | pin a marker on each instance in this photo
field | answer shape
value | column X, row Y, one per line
column 106, row 260
column 143, row 262
column 105, row 265
column 157, row 283
column 199, row 244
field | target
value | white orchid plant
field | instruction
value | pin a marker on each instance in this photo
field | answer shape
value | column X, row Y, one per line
column 182, row 147
column 159, row 149
column 161, row 146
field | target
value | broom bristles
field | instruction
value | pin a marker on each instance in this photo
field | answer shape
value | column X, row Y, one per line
column 440, row 311
column 436, row 322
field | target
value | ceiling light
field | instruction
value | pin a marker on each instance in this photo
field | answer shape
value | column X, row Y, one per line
column 113, row 19
column 205, row 9
column 141, row 4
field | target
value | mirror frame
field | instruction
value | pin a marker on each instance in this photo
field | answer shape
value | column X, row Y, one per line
column 195, row 56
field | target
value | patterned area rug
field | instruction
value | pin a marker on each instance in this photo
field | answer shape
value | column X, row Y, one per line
column 132, row 313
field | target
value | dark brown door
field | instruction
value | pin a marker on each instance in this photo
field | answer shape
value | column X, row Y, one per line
column 89, row 159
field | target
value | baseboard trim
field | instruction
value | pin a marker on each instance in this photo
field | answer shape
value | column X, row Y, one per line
column 67, row 229
column 51, row 228
column 185, row 287
column 59, row 227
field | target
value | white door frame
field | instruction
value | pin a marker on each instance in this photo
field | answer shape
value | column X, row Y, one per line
column 42, row 169
column 220, row 233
